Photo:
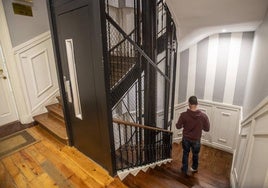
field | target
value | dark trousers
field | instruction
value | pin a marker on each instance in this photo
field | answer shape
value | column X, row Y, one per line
column 188, row 145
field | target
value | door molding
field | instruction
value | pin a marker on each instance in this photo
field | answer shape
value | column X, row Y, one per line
column 22, row 109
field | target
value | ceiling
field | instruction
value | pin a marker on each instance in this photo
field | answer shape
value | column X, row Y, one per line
column 197, row 19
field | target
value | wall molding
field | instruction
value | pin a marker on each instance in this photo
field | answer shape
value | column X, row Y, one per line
column 31, row 43
column 45, row 52
column 253, row 131
column 260, row 106
column 213, row 138
column 37, row 71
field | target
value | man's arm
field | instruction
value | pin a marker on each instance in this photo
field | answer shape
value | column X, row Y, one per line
column 179, row 124
column 206, row 125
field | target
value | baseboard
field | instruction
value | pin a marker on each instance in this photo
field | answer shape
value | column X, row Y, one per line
column 232, row 180
column 13, row 127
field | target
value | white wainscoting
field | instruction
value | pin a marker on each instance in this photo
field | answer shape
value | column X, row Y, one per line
column 250, row 166
column 36, row 65
column 224, row 124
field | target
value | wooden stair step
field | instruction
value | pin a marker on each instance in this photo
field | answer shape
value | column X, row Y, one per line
column 56, row 111
column 173, row 175
column 54, row 125
column 134, row 182
column 146, row 180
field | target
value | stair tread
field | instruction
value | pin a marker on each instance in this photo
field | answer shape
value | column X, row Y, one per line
column 56, row 109
column 53, row 124
column 156, row 182
column 171, row 182
column 174, row 175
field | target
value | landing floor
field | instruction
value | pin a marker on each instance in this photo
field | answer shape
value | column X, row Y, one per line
column 49, row 163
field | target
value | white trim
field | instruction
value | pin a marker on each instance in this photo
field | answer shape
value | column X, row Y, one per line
column 31, row 43
column 44, row 101
column 24, row 54
column 212, row 106
column 134, row 171
column 199, row 34
column 255, row 110
column 265, row 183
column 41, row 107
column 206, row 102
column 31, row 63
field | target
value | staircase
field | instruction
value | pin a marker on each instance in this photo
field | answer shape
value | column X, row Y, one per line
column 141, row 69
column 160, row 176
column 214, row 172
column 53, row 121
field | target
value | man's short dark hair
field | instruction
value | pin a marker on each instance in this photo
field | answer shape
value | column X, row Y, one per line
column 193, row 100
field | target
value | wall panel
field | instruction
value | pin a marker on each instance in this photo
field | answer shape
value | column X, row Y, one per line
column 35, row 61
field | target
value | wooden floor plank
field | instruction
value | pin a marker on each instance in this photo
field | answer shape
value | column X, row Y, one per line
column 23, row 166
column 31, row 163
column 56, row 175
column 58, row 157
column 100, row 175
column 21, row 181
column 42, row 181
column 10, row 166
column 5, row 178
column 34, row 153
column 49, row 163
column 68, row 167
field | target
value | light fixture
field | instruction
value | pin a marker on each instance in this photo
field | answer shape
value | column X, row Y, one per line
column 224, row 31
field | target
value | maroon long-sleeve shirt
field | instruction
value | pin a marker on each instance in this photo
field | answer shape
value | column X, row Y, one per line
column 193, row 122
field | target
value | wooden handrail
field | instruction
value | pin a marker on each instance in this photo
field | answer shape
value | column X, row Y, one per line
column 118, row 121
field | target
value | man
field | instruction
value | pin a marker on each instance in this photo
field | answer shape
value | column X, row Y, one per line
column 193, row 121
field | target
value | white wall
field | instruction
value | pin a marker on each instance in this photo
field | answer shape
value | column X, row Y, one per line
column 257, row 86
column 250, row 164
column 216, row 68
column 23, row 28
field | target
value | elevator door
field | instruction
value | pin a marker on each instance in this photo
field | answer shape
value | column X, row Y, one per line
column 77, row 30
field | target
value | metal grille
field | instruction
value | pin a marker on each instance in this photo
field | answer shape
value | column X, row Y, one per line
column 132, row 151
column 137, row 145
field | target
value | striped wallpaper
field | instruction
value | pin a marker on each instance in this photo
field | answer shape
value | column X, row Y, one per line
column 216, row 68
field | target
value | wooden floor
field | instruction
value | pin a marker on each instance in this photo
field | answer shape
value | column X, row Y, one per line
column 214, row 172
column 49, row 163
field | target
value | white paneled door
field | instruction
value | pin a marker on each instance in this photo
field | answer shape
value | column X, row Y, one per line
column 8, row 111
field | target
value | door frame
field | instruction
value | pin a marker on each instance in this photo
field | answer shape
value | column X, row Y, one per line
column 24, row 115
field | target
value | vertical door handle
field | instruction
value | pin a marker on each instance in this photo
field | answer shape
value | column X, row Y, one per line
column 73, row 77
column 67, row 86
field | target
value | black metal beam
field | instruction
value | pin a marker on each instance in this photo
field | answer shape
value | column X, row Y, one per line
column 149, row 23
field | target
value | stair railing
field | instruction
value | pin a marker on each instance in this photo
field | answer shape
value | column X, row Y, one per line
column 130, row 148
column 135, row 45
column 127, row 60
